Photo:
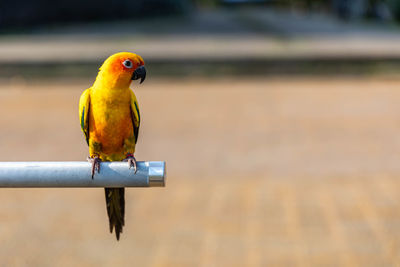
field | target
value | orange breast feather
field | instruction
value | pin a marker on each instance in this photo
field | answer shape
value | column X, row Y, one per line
column 110, row 122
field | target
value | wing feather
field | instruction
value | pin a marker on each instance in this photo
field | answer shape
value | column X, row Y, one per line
column 84, row 106
column 135, row 115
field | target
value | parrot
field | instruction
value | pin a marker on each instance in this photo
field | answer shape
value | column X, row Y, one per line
column 110, row 119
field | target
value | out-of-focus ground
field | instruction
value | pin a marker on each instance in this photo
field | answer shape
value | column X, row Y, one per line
column 261, row 172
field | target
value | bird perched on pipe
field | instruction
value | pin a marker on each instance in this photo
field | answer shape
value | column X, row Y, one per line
column 110, row 119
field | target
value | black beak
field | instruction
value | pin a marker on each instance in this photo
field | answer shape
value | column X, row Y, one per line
column 139, row 73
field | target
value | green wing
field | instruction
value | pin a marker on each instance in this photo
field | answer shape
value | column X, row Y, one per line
column 84, row 106
column 135, row 115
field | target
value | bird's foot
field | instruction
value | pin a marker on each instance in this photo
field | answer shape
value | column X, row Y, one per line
column 95, row 164
column 131, row 161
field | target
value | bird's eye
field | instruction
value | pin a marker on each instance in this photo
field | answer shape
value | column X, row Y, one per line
column 127, row 63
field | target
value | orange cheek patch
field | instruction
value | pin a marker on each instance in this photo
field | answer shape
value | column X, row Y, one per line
column 116, row 68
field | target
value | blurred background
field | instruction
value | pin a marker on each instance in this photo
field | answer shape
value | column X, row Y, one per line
column 278, row 120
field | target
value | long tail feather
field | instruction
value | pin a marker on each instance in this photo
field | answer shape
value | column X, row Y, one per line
column 115, row 200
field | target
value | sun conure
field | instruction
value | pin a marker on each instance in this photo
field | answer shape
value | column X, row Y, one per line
column 110, row 119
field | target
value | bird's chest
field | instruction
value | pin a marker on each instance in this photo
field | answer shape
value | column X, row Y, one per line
column 111, row 117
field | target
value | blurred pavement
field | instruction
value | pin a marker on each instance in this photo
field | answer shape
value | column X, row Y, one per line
column 261, row 172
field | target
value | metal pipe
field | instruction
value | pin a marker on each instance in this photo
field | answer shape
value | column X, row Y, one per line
column 78, row 174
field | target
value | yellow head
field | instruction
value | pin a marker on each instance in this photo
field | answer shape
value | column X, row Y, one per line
column 120, row 69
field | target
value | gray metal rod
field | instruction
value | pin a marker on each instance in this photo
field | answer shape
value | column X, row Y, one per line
column 78, row 174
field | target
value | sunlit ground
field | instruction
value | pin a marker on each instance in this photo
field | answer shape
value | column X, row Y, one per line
column 261, row 172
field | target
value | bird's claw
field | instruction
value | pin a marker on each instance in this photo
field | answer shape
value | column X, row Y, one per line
column 95, row 161
column 131, row 162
